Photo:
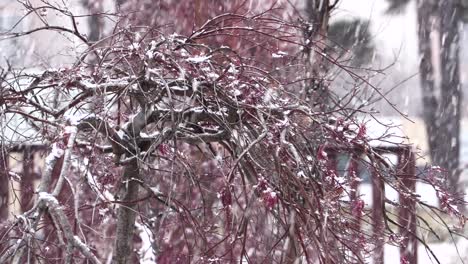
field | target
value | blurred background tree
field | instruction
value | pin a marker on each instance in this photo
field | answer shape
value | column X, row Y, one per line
column 439, row 47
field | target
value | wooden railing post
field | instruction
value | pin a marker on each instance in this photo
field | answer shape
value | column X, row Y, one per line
column 353, row 175
column 4, row 186
column 378, row 195
column 27, row 180
column 407, row 212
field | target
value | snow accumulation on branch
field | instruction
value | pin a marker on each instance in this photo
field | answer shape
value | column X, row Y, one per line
column 146, row 251
column 243, row 107
column 199, row 59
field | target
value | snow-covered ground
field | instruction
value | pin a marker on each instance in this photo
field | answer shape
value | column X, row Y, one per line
column 445, row 252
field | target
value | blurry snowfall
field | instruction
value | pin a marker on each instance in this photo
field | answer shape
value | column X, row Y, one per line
column 396, row 41
column 395, row 37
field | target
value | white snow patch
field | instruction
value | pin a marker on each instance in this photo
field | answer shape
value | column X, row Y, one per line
column 74, row 118
column 279, row 54
column 146, row 253
column 71, row 129
column 150, row 54
column 178, row 88
column 134, row 46
column 121, row 133
column 198, row 59
column 236, row 92
column 80, row 242
column 54, row 154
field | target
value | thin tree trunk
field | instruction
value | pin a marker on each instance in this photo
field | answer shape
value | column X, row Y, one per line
column 126, row 214
column 318, row 92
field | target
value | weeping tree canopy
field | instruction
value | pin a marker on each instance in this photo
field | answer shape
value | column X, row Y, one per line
column 186, row 148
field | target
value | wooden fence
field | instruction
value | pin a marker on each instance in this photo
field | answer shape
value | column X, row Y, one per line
column 406, row 172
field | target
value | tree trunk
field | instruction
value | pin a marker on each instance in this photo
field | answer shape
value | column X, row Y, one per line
column 451, row 95
column 441, row 116
column 94, row 20
column 426, row 70
column 126, row 214
column 317, row 92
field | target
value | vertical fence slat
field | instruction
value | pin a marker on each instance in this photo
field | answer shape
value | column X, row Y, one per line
column 353, row 174
column 407, row 214
column 378, row 194
column 4, row 186
column 27, row 180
